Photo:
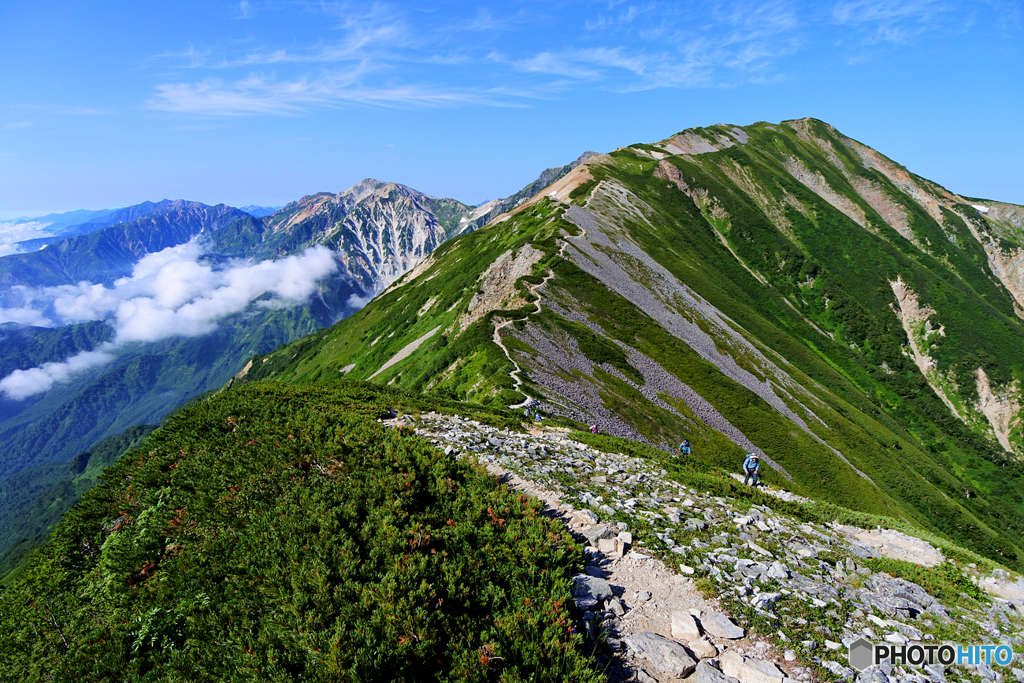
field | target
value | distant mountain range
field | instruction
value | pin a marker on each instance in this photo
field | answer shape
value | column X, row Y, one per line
column 376, row 231
column 260, row 211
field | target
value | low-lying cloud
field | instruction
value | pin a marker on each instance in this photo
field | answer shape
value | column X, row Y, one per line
column 15, row 231
column 172, row 293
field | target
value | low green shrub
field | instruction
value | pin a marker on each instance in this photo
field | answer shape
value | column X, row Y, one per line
column 281, row 533
column 944, row 581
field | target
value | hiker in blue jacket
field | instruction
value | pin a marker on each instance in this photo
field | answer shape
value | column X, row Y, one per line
column 684, row 447
column 751, row 466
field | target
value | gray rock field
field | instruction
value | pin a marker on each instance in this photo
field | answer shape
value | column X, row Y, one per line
column 786, row 597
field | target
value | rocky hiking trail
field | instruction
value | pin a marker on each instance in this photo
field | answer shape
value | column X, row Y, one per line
column 788, row 596
column 515, row 373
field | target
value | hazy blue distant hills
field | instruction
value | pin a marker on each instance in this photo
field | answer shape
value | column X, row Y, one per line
column 59, row 223
column 107, row 253
column 260, row 211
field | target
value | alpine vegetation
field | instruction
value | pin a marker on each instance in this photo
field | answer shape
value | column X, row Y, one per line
column 525, row 457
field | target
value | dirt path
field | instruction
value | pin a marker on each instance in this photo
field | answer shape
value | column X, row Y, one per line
column 650, row 591
column 515, row 373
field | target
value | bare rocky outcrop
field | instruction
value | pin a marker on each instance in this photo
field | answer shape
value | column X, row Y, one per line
column 690, row 142
column 891, row 212
column 496, row 288
column 1002, row 408
column 816, row 182
column 914, row 318
column 902, row 179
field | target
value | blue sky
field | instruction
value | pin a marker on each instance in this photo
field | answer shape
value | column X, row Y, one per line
column 106, row 104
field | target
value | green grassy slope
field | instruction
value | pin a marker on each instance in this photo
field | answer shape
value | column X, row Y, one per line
column 34, row 500
column 278, row 533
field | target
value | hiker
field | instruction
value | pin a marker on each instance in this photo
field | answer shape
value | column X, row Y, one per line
column 594, row 429
column 751, row 466
column 527, row 413
column 684, row 447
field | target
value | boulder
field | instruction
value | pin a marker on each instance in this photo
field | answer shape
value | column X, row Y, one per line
column 663, row 654
column 703, row 648
column 720, row 626
column 590, row 591
column 609, row 547
column 706, row 673
column 596, row 533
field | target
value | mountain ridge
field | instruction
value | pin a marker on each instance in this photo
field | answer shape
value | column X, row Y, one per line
column 723, row 291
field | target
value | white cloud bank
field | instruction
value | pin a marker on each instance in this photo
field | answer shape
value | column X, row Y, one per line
column 169, row 294
column 11, row 232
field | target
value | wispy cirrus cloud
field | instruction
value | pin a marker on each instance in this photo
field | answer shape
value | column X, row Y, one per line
column 415, row 55
column 892, row 21
column 258, row 94
column 15, row 125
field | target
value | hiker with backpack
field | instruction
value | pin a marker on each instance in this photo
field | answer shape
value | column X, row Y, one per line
column 751, row 466
column 684, row 447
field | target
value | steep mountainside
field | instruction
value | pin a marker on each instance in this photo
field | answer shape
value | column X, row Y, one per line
column 780, row 289
column 34, row 500
column 375, row 230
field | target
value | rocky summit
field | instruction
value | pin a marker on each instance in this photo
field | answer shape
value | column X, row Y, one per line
column 674, row 576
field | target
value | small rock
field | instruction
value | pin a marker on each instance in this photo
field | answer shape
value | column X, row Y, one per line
column 684, row 627
column 687, row 569
column 589, row 591
column 643, row 596
column 616, row 607
column 789, row 656
column 837, row 668
column 703, row 648
column 596, row 533
column 720, row 626
column 749, row 670
column 590, row 516
column 764, row 600
column 610, row 547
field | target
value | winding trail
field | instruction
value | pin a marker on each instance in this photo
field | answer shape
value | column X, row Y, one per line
column 514, row 374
